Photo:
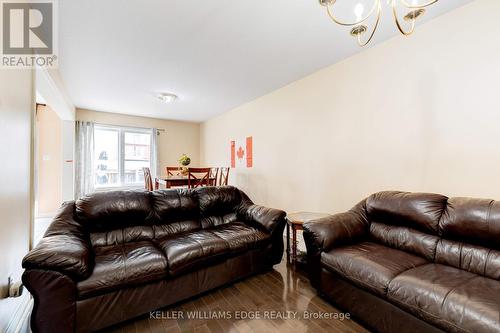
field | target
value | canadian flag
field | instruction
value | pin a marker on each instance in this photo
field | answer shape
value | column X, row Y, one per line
column 241, row 153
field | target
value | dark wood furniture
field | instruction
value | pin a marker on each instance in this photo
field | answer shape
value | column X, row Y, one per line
column 198, row 177
column 171, row 170
column 148, row 181
column 173, row 181
column 295, row 222
column 214, row 173
column 224, row 176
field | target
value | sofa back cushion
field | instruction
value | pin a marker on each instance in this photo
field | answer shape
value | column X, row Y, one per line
column 459, row 232
column 472, row 221
column 406, row 221
column 126, row 216
column 405, row 239
column 174, row 211
column 472, row 258
column 106, row 211
column 419, row 211
column 120, row 236
column 218, row 205
column 470, row 231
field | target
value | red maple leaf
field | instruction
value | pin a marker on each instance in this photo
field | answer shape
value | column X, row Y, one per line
column 240, row 153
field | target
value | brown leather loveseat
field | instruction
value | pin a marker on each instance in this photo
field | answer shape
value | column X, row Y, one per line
column 411, row 262
column 112, row 256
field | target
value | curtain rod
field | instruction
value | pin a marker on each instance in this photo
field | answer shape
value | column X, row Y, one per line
column 126, row 126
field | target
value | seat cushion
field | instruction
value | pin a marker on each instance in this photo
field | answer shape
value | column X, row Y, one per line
column 369, row 265
column 192, row 250
column 453, row 299
column 241, row 237
column 128, row 264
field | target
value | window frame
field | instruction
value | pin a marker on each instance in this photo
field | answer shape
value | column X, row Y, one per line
column 121, row 155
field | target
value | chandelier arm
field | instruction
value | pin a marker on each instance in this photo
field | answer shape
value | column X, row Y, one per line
column 398, row 24
column 379, row 14
column 407, row 5
column 349, row 24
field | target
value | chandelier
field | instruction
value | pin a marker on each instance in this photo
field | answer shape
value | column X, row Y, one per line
column 359, row 30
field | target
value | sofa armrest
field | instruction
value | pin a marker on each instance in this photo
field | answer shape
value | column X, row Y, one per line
column 268, row 218
column 323, row 234
column 65, row 247
column 55, row 294
column 62, row 253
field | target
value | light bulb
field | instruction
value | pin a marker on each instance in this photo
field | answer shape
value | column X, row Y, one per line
column 358, row 11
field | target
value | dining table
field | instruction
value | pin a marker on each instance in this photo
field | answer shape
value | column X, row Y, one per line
column 176, row 180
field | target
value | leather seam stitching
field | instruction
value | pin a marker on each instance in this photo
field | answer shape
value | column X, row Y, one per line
column 486, row 262
column 445, row 208
column 488, row 218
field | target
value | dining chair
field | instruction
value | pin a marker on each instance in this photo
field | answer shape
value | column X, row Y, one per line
column 148, row 180
column 171, row 170
column 224, row 176
column 213, row 177
column 198, row 177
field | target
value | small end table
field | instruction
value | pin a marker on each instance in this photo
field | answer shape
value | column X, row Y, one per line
column 295, row 221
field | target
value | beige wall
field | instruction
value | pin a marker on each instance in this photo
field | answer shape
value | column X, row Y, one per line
column 49, row 161
column 417, row 114
column 16, row 112
column 178, row 138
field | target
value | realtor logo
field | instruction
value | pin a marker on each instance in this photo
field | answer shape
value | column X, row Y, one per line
column 28, row 33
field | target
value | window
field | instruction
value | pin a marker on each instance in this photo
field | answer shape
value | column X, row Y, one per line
column 120, row 155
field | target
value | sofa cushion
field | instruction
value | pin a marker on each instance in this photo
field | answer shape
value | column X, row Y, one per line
column 218, row 205
column 102, row 211
column 122, row 235
column 405, row 239
column 472, row 258
column 472, row 221
column 174, row 211
column 241, row 237
column 127, row 264
column 419, row 211
column 369, row 265
column 192, row 250
column 453, row 299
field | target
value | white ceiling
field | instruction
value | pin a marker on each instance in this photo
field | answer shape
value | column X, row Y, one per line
column 116, row 55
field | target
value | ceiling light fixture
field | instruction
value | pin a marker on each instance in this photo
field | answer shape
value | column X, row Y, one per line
column 359, row 26
column 167, row 97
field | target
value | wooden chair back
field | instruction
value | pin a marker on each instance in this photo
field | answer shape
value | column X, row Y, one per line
column 148, row 180
column 198, row 177
column 171, row 170
column 224, row 176
column 213, row 177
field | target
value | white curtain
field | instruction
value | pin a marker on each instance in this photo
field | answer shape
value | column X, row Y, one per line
column 84, row 159
column 155, row 161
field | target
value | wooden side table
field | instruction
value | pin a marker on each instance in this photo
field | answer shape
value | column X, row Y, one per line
column 295, row 222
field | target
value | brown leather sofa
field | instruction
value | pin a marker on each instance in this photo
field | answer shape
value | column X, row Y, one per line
column 113, row 256
column 411, row 262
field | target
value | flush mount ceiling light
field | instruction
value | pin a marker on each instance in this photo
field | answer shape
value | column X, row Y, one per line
column 414, row 9
column 167, row 97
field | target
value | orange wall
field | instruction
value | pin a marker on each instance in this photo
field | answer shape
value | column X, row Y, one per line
column 49, row 180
